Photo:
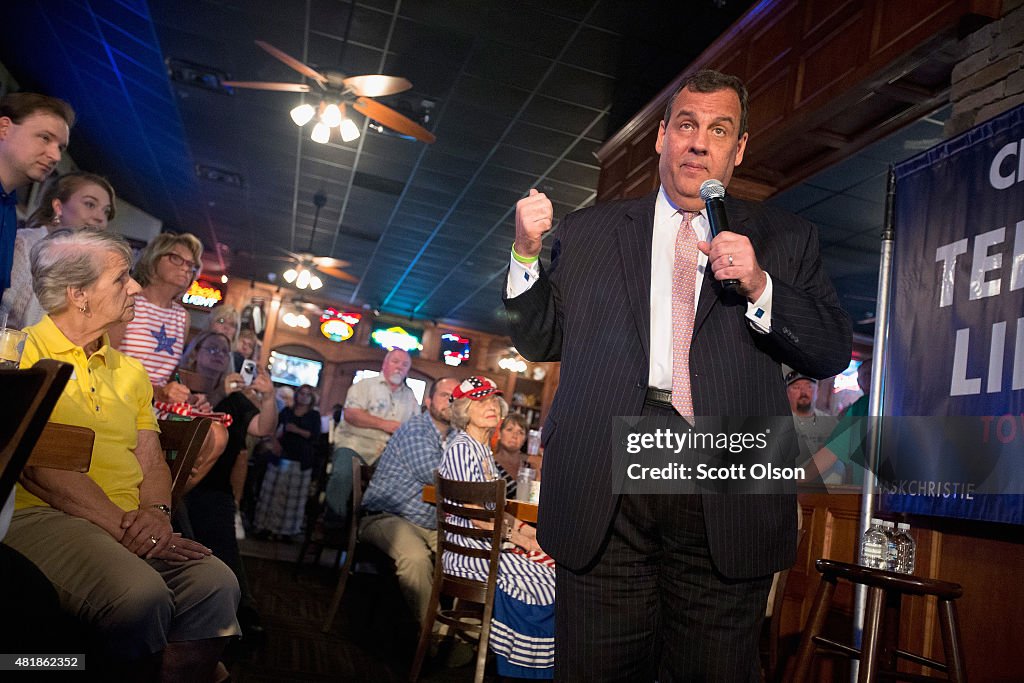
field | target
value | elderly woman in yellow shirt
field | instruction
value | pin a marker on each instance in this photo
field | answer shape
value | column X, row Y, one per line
column 104, row 538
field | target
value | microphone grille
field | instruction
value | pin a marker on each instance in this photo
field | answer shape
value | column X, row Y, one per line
column 712, row 189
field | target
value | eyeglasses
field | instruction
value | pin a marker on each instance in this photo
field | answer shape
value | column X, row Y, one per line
column 178, row 262
column 215, row 350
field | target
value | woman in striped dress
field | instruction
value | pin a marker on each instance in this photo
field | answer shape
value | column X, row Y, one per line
column 523, row 626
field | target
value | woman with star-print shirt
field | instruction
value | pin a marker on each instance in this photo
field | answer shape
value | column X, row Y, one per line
column 156, row 336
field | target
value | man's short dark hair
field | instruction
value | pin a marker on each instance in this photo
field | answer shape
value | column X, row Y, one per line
column 707, row 81
column 17, row 106
column 433, row 387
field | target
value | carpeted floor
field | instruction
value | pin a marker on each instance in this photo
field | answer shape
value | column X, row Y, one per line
column 373, row 637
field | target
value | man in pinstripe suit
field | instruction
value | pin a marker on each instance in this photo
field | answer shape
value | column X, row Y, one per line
column 667, row 587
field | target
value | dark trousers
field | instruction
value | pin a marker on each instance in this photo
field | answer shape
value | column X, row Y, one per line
column 211, row 516
column 653, row 606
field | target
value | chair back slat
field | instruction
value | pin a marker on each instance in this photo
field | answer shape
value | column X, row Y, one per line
column 182, row 441
column 27, row 399
column 63, row 447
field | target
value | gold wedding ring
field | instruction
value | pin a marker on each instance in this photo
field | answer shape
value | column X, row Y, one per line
column 154, row 539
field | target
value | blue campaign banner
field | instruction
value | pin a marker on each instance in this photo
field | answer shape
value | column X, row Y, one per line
column 956, row 331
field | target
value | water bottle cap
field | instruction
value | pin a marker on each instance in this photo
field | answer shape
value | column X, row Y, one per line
column 888, row 525
column 875, row 520
column 904, row 526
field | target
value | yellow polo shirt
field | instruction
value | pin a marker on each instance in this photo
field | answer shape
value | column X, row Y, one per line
column 110, row 394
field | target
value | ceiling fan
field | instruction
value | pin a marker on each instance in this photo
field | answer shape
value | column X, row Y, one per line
column 303, row 272
column 339, row 93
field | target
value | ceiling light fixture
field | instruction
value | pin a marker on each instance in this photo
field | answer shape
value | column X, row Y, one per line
column 328, row 116
column 302, row 277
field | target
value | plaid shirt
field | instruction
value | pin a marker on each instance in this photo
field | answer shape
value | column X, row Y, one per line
column 408, row 463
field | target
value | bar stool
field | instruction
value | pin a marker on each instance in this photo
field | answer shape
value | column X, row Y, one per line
column 880, row 639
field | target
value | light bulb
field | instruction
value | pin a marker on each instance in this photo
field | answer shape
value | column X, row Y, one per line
column 303, row 280
column 349, row 130
column 321, row 133
column 331, row 116
column 224, row 279
column 302, row 114
column 303, row 321
column 288, row 319
column 290, row 275
column 315, row 282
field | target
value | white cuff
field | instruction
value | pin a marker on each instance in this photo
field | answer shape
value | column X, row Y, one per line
column 521, row 277
column 759, row 313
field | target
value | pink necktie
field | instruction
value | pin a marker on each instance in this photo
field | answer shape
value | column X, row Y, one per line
column 684, row 275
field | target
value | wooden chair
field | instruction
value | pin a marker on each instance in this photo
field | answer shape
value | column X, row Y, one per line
column 27, row 399
column 361, row 475
column 481, row 501
column 880, row 647
column 182, row 442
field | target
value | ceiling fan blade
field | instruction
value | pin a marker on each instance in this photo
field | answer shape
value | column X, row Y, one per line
column 328, row 262
column 293, row 63
column 264, row 85
column 392, row 119
column 340, row 274
column 376, row 85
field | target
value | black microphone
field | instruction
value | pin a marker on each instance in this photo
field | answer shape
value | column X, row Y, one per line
column 713, row 194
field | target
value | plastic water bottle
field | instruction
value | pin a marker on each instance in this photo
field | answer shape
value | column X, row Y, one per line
column 524, row 480
column 874, row 547
column 906, row 549
column 890, row 535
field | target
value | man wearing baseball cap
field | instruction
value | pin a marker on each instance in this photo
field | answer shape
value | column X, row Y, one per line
column 813, row 426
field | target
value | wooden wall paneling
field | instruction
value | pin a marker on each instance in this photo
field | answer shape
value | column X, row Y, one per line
column 895, row 22
column 822, row 17
column 770, row 102
column 772, row 44
column 613, row 173
column 826, row 64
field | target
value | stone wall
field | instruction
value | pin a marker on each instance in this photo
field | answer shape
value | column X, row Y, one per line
column 989, row 79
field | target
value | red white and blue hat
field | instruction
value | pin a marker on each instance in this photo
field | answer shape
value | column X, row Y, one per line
column 476, row 388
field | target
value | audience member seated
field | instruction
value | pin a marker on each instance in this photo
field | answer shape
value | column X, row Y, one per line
column 523, row 627
column 156, row 336
column 395, row 518
column 74, row 200
column 104, row 538
column 508, row 452
column 211, row 504
column 374, row 409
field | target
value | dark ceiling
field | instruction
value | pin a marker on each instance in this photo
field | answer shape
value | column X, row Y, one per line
column 519, row 94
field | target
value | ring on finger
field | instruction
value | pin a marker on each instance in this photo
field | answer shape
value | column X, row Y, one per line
column 730, row 259
column 154, row 540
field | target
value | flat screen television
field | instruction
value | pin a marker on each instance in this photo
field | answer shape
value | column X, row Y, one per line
column 294, row 370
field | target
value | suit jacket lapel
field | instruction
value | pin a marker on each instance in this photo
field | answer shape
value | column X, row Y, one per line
column 636, row 236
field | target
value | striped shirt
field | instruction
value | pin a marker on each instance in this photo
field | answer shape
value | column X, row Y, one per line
column 156, row 337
